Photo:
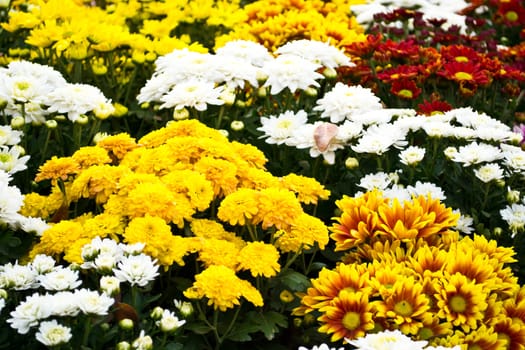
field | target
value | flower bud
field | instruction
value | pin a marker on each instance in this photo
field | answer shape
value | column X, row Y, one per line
column 513, row 196
column 237, row 125
column 450, row 152
column 123, row 345
column 144, row 105
column 286, row 296
column 82, row 119
column 181, row 114
column 151, row 56
column 51, row 124
column 126, row 324
column 120, row 110
column 110, row 285
column 351, row 163
column 498, row 231
column 21, row 150
column 228, row 96
column 99, row 136
column 156, row 313
column 262, row 92
column 330, row 73
column 3, row 294
column 3, row 103
column 310, row 91
column 17, row 122
column 225, row 133
column 240, row 104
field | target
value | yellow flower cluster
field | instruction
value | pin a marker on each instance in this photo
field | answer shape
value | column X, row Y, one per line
column 429, row 284
column 276, row 22
column 164, row 191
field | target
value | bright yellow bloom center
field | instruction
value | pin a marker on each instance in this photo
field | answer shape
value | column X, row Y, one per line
column 461, row 59
column 458, row 304
column 463, row 76
column 511, row 16
column 403, row 308
column 405, row 93
column 351, row 320
column 22, row 85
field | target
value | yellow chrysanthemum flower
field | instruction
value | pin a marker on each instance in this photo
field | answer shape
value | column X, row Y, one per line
column 58, row 238
column 221, row 173
column 260, row 258
column 98, row 182
column 349, row 316
column 118, row 145
column 461, row 302
column 277, row 207
column 512, row 334
column 304, row 232
column 213, row 251
column 105, row 225
column 91, row 155
column 206, row 228
column 239, row 207
column 308, row 190
column 192, row 184
column 222, row 288
column 56, row 169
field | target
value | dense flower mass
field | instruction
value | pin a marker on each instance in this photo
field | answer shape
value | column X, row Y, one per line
column 220, row 174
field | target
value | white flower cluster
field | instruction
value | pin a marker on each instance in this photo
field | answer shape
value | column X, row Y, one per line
column 393, row 340
column 184, row 78
column 127, row 263
column 13, row 160
column 34, row 91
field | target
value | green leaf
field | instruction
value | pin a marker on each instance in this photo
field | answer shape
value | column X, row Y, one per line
column 294, row 280
column 241, row 332
column 268, row 322
column 198, row 327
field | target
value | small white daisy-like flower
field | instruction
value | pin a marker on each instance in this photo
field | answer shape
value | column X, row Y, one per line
column 343, row 101
column 317, row 52
column 378, row 139
column 93, row 303
column 136, row 269
column 425, row 189
column 489, row 172
column 32, row 225
column 380, row 180
column 290, row 72
column 464, row 223
column 514, row 157
column 169, row 322
column 110, row 285
column 514, row 215
column 8, row 136
column 278, row 129
column 51, row 333
column 387, row 339
column 143, row 342
column 43, row 263
column 475, row 153
column 60, row 278
column 18, row 277
column 192, row 93
column 12, row 160
column 412, row 155
column 250, row 51
column 29, row 312
column 320, row 347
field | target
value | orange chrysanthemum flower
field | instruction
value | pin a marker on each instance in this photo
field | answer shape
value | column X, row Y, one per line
column 348, row 316
column 57, row 169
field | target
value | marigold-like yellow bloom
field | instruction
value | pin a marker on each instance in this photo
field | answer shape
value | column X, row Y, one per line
column 239, row 207
column 213, row 251
column 118, row 145
column 58, row 238
column 277, row 207
column 105, row 225
column 221, row 173
column 260, row 258
column 98, row 182
column 91, row 155
column 192, row 184
column 206, row 228
column 304, row 232
column 222, row 288
column 56, row 169
column 308, row 190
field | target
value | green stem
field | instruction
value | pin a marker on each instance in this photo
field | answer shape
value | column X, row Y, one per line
column 87, row 330
column 232, row 323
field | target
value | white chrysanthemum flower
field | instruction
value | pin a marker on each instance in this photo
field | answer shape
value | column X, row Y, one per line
column 169, row 322
column 156, row 87
column 8, row 136
column 109, row 285
column 412, row 155
column 132, row 249
column 60, row 279
column 292, row 72
column 464, row 133
column 105, row 263
column 250, row 51
column 317, row 52
column 438, row 129
column 65, row 304
column 75, row 100
column 93, row 303
column 457, row 347
column 464, row 223
column 426, row 189
column 322, row 139
column 387, row 339
column 320, row 347
column 397, row 192
column 489, row 172
column 235, row 72
column 136, row 269
column 181, row 65
column 33, row 225
column 349, row 130
column 475, row 153
column 18, row 277
column 343, row 101
column 184, row 307
column 43, row 263
column 99, row 246
column 2, row 304
column 514, row 215
column 278, row 129
column 51, row 333
column 143, row 342
column 11, row 159
column 514, row 157
column 29, row 312
column 380, row 180
column 410, row 122
column 46, row 74
column 11, row 201
column 378, row 139
column 193, row 93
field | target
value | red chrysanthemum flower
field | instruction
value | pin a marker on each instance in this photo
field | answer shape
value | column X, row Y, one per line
column 459, row 53
column 465, row 72
column 400, row 72
column 511, row 13
column 433, row 107
column 405, row 89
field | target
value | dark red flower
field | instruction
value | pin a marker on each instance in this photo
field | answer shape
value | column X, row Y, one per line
column 511, row 13
column 433, row 107
column 465, row 72
column 400, row 72
column 405, row 89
